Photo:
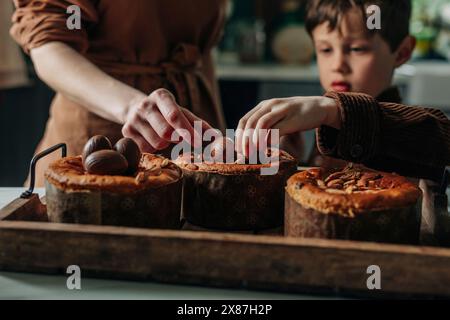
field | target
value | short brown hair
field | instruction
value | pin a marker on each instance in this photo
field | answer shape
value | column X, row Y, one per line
column 395, row 16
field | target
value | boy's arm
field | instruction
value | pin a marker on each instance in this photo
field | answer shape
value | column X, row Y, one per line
column 411, row 141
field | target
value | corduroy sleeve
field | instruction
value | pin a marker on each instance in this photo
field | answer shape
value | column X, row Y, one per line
column 413, row 141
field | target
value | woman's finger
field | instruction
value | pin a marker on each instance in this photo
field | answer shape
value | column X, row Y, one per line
column 205, row 126
column 162, row 128
column 144, row 146
column 145, row 130
column 192, row 118
column 171, row 111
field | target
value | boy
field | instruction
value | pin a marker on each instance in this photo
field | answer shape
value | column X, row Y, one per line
column 355, row 65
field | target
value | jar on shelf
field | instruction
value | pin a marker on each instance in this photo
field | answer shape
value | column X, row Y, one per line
column 251, row 41
column 291, row 43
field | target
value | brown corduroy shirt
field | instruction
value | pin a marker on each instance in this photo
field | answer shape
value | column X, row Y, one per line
column 386, row 135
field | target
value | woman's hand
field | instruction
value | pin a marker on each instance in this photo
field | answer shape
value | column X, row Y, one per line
column 152, row 120
column 288, row 115
column 149, row 120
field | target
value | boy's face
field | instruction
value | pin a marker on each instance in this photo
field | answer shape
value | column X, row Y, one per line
column 351, row 60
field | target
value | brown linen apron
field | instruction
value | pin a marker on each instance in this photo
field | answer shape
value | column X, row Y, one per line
column 147, row 44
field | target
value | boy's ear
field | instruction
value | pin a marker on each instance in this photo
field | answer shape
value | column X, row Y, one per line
column 405, row 50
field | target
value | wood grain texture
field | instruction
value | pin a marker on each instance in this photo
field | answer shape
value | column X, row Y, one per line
column 30, row 209
column 274, row 263
column 223, row 259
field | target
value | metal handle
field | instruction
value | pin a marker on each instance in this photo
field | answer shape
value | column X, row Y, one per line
column 35, row 159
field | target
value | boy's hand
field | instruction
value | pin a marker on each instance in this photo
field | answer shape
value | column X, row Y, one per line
column 289, row 115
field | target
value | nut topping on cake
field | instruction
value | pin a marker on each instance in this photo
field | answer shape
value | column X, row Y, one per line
column 350, row 179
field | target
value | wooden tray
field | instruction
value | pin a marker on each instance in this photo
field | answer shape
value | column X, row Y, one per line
column 30, row 244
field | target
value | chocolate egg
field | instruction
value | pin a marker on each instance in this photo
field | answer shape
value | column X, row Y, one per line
column 94, row 144
column 219, row 150
column 130, row 150
column 106, row 162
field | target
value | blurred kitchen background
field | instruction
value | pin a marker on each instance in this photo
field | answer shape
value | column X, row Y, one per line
column 265, row 53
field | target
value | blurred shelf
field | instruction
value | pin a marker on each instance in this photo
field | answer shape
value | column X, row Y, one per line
column 424, row 83
column 267, row 72
column 284, row 73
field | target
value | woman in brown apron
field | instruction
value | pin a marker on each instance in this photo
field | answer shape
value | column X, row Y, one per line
column 125, row 50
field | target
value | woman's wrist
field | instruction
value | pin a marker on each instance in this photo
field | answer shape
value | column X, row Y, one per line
column 131, row 101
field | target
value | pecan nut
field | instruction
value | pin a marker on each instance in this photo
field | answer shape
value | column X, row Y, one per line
column 336, row 184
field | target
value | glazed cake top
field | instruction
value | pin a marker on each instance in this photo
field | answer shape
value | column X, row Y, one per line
column 188, row 162
column 352, row 190
column 154, row 172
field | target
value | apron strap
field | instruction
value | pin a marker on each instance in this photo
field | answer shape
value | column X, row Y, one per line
column 182, row 72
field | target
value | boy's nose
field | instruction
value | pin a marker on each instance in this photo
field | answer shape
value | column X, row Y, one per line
column 340, row 63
